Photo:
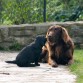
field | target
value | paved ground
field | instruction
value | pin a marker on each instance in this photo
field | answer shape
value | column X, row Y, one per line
column 11, row 73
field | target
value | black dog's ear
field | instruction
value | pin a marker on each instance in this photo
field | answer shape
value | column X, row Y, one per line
column 37, row 37
column 41, row 38
column 45, row 39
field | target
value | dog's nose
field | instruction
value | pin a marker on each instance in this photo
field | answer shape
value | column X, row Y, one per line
column 49, row 36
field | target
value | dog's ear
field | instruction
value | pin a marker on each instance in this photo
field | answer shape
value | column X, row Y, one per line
column 37, row 38
column 65, row 35
column 47, row 34
column 45, row 39
column 41, row 38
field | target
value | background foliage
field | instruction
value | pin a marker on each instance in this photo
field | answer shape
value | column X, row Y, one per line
column 31, row 11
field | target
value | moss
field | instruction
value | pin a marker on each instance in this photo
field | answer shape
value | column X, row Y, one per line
column 2, row 48
column 15, row 46
column 78, row 46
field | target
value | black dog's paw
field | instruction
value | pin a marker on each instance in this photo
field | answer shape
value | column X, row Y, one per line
column 37, row 64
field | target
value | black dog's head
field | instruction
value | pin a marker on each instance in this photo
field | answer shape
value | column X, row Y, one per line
column 41, row 40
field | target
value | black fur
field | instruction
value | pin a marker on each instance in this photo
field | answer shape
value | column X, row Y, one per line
column 30, row 53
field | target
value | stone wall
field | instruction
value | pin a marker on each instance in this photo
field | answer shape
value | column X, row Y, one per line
column 25, row 33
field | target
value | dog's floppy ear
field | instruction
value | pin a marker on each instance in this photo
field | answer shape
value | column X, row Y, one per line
column 47, row 34
column 41, row 38
column 65, row 35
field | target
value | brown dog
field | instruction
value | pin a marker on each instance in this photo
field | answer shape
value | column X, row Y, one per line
column 59, row 47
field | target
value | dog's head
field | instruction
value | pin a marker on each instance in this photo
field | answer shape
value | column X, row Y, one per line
column 55, row 34
column 41, row 40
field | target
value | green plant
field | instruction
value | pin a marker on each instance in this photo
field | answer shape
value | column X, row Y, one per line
column 77, row 67
column 15, row 46
column 1, row 48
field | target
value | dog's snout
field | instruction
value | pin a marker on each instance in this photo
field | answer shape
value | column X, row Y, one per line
column 49, row 36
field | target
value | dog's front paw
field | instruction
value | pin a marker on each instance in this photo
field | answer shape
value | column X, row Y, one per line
column 37, row 64
column 70, row 62
column 54, row 65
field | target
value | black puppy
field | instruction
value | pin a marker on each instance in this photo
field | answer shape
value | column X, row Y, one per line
column 30, row 53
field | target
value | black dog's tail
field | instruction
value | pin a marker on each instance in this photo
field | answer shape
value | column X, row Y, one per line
column 13, row 62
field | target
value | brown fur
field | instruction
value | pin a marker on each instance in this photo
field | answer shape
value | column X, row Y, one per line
column 59, row 47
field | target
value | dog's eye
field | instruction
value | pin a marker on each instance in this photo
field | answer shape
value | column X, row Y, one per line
column 55, row 28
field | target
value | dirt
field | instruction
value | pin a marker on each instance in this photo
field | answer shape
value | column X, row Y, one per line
column 11, row 73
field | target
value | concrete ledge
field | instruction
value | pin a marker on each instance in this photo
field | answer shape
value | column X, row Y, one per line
column 25, row 33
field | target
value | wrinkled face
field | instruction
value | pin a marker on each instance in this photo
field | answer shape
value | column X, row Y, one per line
column 54, row 35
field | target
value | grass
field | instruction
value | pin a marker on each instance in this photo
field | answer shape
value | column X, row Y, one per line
column 15, row 46
column 77, row 67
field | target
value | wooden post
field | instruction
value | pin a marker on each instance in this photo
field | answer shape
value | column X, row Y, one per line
column 44, row 13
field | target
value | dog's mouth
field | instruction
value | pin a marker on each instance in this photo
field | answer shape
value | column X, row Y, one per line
column 51, row 43
column 52, row 40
